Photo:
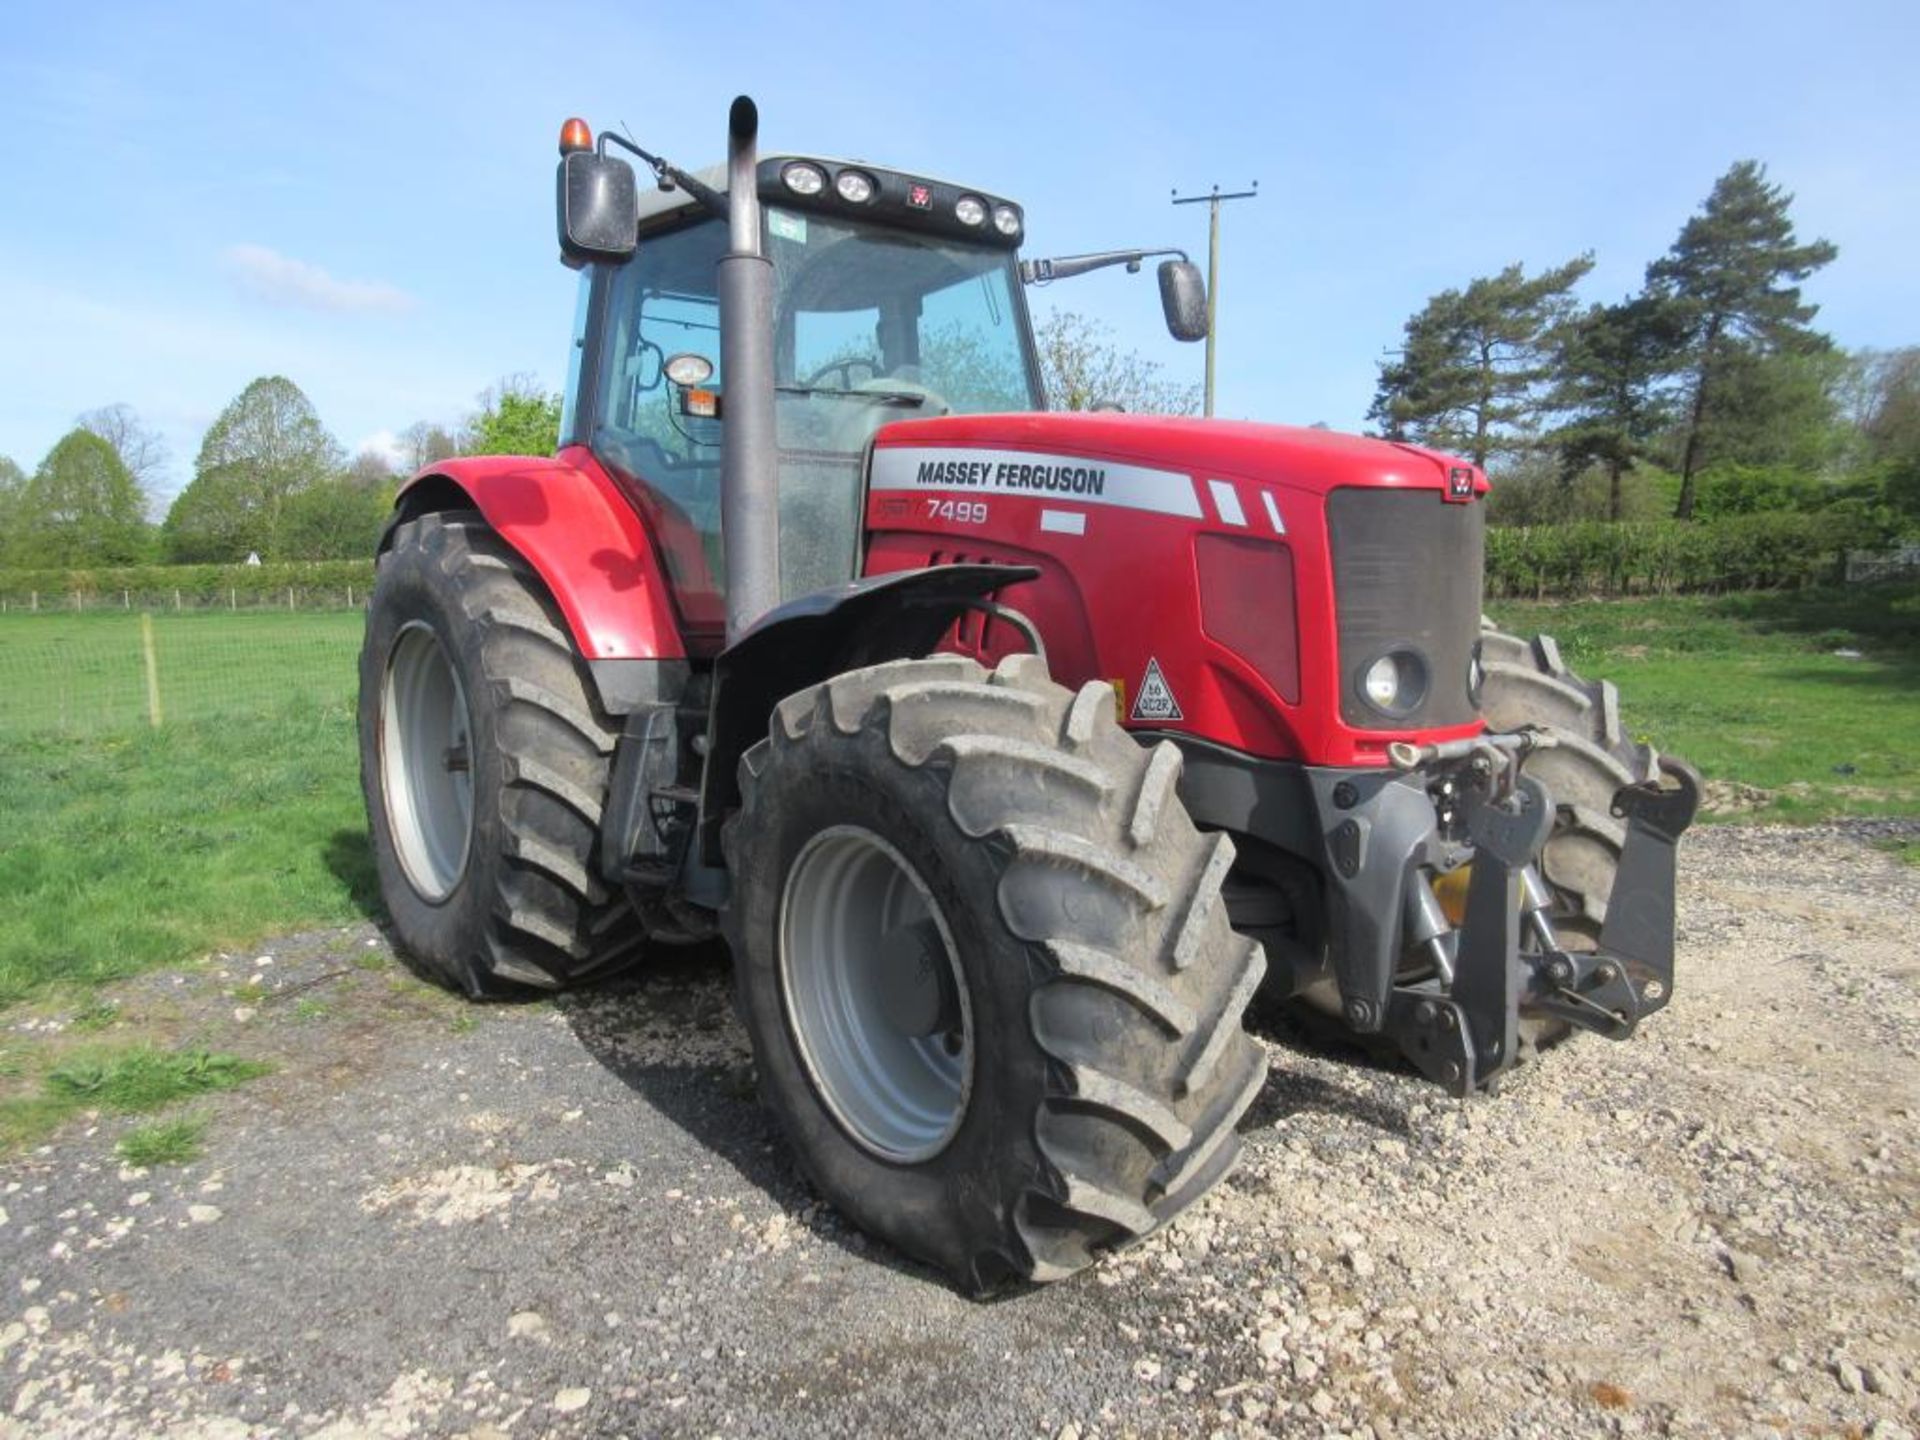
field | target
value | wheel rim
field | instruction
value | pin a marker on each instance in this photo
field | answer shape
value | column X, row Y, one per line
column 874, row 995
column 426, row 760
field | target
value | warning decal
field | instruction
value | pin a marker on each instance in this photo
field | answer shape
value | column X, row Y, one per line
column 1155, row 699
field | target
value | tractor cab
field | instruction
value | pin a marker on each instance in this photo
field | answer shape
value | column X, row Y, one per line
column 894, row 297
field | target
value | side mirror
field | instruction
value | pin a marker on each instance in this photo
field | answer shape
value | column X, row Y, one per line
column 599, row 208
column 1183, row 296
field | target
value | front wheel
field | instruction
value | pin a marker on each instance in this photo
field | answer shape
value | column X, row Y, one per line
column 993, row 997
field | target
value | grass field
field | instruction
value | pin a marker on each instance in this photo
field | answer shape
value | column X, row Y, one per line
column 1801, row 706
column 87, row 674
column 124, row 847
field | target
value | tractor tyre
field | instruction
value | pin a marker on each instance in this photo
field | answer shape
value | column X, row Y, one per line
column 484, row 758
column 981, row 954
column 1525, row 682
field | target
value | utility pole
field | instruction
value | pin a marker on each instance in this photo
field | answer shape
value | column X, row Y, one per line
column 1213, row 199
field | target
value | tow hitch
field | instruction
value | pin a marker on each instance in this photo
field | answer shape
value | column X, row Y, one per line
column 1508, row 959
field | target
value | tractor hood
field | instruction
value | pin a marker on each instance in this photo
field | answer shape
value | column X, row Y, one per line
column 1301, row 458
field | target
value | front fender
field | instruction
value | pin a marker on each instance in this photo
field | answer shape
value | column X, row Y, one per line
column 570, row 521
column 896, row 616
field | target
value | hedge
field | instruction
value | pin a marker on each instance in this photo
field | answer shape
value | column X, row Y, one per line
column 1746, row 552
column 196, row 585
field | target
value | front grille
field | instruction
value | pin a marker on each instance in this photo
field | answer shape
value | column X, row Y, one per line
column 1406, row 575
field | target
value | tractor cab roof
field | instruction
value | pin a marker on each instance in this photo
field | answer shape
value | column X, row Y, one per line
column 857, row 191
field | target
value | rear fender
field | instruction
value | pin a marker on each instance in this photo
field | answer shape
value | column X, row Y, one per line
column 897, row 616
column 569, row 520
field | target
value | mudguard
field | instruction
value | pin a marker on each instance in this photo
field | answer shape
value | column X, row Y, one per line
column 897, row 616
column 569, row 520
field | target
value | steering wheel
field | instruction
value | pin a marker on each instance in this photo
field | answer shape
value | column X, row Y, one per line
column 844, row 369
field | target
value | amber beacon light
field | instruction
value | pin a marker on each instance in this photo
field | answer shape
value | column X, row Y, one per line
column 575, row 136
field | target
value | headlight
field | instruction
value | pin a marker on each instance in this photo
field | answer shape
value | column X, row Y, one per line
column 970, row 210
column 804, row 179
column 1006, row 219
column 855, row 186
column 1396, row 683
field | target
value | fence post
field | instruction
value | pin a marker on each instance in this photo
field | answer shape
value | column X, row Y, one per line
column 289, row 597
column 76, row 600
column 33, row 600
column 126, row 600
column 349, row 597
column 233, row 598
column 176, row 600
column 153, row 669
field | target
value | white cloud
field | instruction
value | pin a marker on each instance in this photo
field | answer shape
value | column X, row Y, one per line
column 282, row 280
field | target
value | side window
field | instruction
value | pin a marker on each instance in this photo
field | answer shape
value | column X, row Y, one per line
column 570, row 399
column 663, row 304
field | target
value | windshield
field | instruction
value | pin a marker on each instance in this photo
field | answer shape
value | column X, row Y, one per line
column 871, row 326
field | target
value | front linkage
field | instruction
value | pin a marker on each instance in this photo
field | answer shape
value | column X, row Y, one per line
column 1462, row 1029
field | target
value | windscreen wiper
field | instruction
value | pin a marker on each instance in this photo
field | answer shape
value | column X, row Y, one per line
column 877, row 397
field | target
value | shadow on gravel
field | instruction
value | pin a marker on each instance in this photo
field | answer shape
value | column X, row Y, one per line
column 1293, row 1091
column 668, row 1033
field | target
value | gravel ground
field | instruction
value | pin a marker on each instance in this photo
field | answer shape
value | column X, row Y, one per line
column 572, row 1219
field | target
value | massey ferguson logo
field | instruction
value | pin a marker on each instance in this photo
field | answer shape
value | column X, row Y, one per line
column 1459, row 484
column 1062, row 479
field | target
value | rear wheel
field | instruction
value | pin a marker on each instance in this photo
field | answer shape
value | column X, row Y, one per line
column 993, row 997
column 484, row 760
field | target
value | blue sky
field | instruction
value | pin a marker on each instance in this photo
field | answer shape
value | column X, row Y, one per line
column 360, row 197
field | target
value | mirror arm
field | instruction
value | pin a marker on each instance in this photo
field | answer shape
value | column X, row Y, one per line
column 1045, row 272
column 669, row 175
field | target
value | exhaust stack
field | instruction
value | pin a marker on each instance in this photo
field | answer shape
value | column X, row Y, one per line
column 749, row 457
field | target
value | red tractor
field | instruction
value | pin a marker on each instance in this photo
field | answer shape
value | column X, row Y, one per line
column 1011, row 752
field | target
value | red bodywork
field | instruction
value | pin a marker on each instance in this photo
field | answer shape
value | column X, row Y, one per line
column 1207, row 556
column 578, row 529
column 1250, row 660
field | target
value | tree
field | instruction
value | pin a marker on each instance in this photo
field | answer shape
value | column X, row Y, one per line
column 13, row 484
column 141, row 450
column 1609, row 370
column 424, row 443
column 1468, row 375
column 81, row 508
column 515, row 417
column 1081, row 368
column 1888, row 416
column 336, row 519
column 267, row 446
column 1734, row 272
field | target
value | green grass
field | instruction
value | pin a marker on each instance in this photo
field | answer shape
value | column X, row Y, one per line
column 1749, row 689
column 165, row 1142
column 86, row 674
column 138, row 1080
column 130, row 1080
column 123, row 852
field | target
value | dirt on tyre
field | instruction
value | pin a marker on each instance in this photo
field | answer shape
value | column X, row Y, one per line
column 981, row 954
column 484, row 760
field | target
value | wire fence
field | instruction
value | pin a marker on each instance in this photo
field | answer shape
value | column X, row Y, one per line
column 177, row 600
column 103, row 670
